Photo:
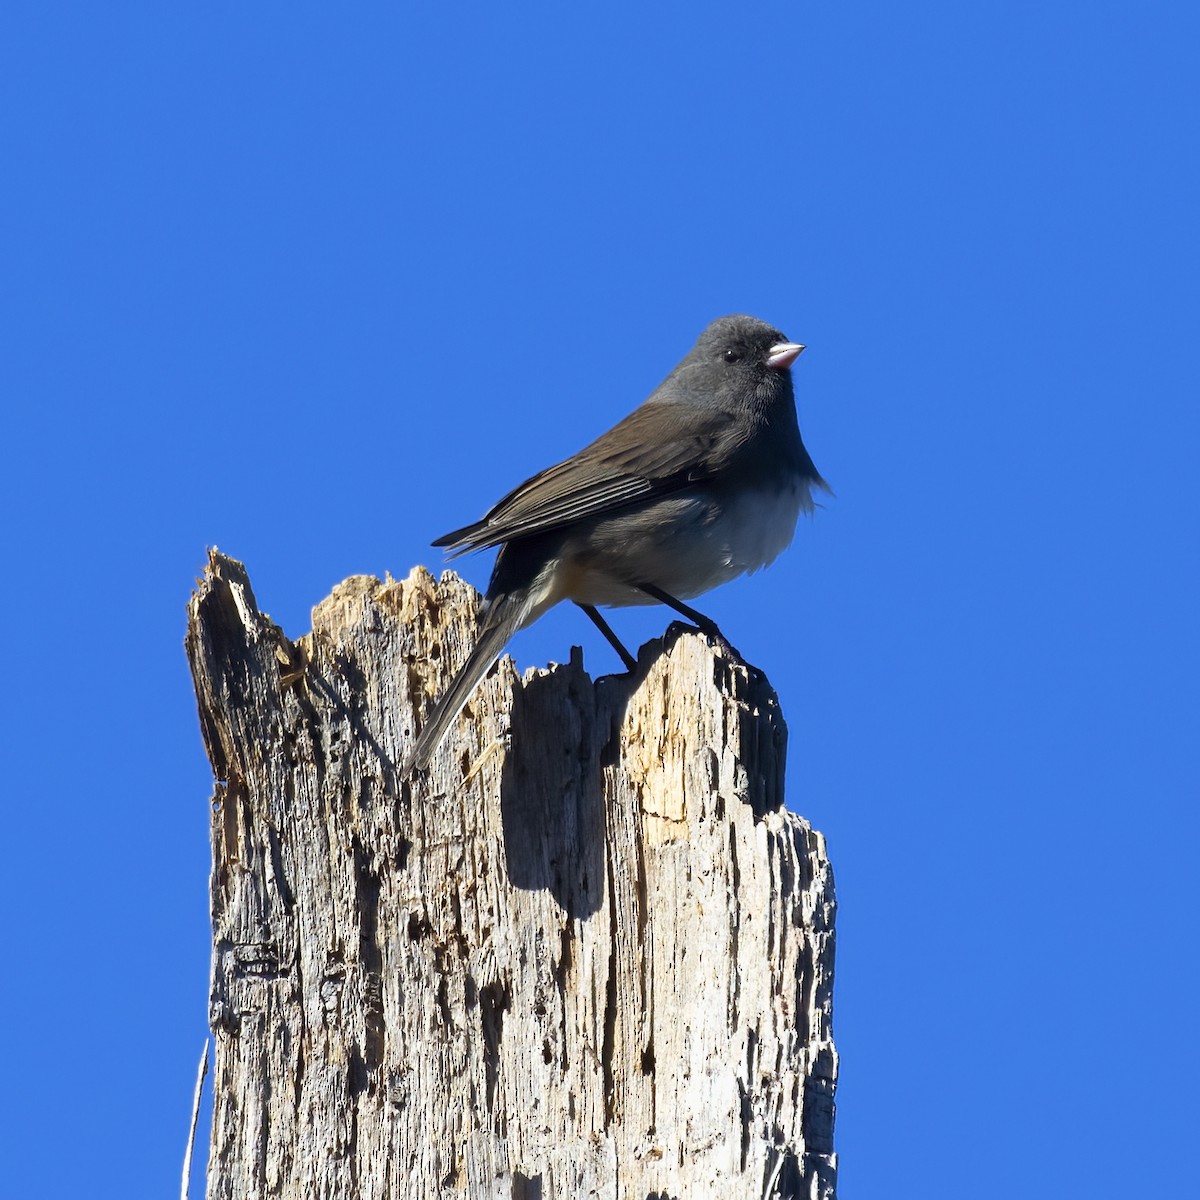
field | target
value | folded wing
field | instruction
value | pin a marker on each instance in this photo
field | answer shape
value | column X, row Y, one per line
column 633, row 460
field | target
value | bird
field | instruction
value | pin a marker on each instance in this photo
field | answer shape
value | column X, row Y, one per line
column 701, row 483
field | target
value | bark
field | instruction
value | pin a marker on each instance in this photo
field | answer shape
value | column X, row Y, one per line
column 589, row 954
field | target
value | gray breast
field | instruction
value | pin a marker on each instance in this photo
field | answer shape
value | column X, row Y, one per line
column 686, row 544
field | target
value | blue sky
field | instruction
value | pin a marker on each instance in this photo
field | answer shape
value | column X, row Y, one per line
column 318, row 284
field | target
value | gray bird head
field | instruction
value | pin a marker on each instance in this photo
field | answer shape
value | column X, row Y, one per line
column 737, row 361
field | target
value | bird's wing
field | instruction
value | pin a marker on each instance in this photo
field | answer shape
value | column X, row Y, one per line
column 656, row 449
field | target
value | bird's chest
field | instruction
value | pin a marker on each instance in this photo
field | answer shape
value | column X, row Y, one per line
column 749, row 530
column 686, row 544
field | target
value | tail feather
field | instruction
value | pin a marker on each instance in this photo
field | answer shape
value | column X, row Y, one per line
column 504, row 616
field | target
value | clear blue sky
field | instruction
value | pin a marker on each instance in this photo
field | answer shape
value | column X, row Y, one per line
column 317, row 284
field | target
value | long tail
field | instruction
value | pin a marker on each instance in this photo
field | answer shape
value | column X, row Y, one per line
column 504, row 616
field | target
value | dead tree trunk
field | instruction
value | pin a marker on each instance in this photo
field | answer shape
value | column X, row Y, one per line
column 589, row 954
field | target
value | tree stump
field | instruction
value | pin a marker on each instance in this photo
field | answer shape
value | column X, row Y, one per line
column 588, row 954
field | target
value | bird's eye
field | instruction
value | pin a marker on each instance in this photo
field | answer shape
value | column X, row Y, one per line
column 732, row 355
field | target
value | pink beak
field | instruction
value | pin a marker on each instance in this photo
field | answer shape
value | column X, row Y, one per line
column 783, row 354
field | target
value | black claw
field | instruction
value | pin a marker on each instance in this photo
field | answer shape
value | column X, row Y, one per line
column 705, row 624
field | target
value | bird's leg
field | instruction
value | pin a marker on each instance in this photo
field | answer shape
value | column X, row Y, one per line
column 614, row 641
column 704, row 624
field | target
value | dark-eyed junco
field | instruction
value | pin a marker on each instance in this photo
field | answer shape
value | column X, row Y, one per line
column 703, row 482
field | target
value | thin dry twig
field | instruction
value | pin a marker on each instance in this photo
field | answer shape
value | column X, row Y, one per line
column 187, row 1158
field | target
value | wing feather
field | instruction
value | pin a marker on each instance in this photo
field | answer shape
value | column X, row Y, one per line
column 657, row 449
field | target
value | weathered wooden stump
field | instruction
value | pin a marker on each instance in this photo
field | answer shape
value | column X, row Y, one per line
column 589, row 954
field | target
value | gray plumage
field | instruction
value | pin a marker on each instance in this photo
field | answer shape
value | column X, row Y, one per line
column 702, row 483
